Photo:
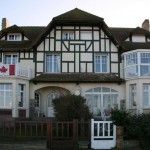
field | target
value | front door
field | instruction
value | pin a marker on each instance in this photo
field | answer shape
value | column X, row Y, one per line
column 50, row 109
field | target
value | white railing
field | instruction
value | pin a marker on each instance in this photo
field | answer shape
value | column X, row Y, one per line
column 16, row 70
column 103, row 134
column 23, row 71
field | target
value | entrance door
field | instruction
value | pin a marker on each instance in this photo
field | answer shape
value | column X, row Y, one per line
column 50, row 109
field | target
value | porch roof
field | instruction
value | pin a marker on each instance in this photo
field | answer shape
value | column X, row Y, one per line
column 78, row 78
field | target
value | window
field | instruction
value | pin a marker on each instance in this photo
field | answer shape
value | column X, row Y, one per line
column 137, row 64
column 14, row 37
column 101, row 63
column 145, row 64
column 37, row 100
column 10, row 59
column 5, row 95
column 68, row 35
column 132, row 97
column 101, row 99
column 52, row 63
column 146, row 95
column 21, row 96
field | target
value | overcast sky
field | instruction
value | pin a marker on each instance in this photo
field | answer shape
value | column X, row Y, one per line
column 116, row 13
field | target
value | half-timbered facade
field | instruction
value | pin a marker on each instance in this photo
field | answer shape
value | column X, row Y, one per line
column 76, row 53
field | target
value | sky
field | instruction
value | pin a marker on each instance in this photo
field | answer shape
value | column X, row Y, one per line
column 116, row 13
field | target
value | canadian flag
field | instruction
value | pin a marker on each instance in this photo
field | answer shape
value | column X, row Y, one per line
column 7, row 70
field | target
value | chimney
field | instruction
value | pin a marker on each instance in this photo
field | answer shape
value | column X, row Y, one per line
column 145, row 24
column 5, row 23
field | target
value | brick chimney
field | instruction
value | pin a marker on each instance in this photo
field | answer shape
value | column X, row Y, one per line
column 5, row 23
column 145, row 24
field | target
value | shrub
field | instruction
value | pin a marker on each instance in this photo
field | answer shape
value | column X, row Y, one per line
column 71, row 107
column 120, row 117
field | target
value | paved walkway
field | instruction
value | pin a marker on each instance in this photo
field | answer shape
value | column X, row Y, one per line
column 35, row 145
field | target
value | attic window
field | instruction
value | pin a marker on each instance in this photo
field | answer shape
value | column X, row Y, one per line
column 14, row 37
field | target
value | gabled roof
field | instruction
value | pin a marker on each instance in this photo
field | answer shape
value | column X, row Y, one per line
column 30, row 32
column 77, row 15
column 77, row 78
column 121, row 34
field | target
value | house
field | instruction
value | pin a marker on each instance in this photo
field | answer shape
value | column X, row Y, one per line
column 76, row 53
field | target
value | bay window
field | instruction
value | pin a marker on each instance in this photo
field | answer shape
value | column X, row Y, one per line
column 137, row 64
column 52, row 63
column 5, row 95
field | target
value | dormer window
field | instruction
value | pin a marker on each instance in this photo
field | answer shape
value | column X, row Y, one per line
column 14, row 37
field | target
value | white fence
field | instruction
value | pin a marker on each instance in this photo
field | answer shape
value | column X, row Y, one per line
column 103, row 134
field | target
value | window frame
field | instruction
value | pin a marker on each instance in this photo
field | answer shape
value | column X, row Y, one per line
column 36, row 100
column 21, row 95
column 14, row 37
column 147, row 91
column 136, row 69
column 11, row 61
column 101, row 93
column 6, row 93
column 101, row 63
column 68, row 35
column 133, row 96
column 52, row 63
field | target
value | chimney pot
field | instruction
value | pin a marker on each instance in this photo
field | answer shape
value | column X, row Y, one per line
column 145, row 24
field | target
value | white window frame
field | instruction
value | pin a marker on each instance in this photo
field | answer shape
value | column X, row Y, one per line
column 36, row 100
column 137, row 67
column 11, row 60
column 68, row 35
column 99, row 63
column 133, row 96
column 146, row 90
column 53, row 62
column 21, row 95
column 14, row 37
column 99, row 107
column 7, row 94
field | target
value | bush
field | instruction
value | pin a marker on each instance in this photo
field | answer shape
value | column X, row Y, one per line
column 119, row 117
column 71, row 107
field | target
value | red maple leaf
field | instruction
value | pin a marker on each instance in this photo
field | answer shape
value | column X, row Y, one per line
column 3, row 69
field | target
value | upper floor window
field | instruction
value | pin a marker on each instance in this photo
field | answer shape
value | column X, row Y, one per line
column 52, row 63
column 137, row 64
column 14, row 37
column 68, row 35
column 10, row 59
column 101, row 63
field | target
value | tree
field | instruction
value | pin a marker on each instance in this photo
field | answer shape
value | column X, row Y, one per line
column 71, row 107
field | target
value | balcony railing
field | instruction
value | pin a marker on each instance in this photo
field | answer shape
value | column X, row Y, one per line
column 16, row 70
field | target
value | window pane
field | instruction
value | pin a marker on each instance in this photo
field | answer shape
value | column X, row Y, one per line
column 101, row 63
column 52, row 63
column 145, row 99
column 133, row 95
